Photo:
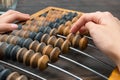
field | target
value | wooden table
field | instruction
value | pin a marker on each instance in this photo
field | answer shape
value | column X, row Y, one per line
column 32, row 6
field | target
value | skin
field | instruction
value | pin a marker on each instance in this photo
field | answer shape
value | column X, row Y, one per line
column 7, row 20
column 104, row 28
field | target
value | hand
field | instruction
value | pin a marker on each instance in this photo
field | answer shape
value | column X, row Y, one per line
column 7, row 20
column 104, row 28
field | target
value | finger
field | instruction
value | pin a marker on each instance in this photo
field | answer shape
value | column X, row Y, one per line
column 7, row 27
column 94, row 17
column 8, row 13
column 16, row 17
column 92, row 27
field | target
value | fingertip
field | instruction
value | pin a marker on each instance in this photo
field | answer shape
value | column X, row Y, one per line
column 14, row 26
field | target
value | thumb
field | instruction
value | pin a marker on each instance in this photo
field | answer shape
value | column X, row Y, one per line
column 4, row 27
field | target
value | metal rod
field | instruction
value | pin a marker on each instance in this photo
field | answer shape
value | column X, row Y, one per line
column 84, row 67
column 94, row 58
column 86, row 53
column 58, row 68
column 28, row 72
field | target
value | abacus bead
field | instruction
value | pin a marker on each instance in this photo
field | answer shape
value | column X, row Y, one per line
column 3, row 46
column 22, row 77
column 47, row 30
column 70, row 37
column 8, row 50
column 32, row 35
column 19, row 26
column 27, row 43
column 42, row 62
column 74, row 19
column 40, row 47
column 34, row 45
column 51, row 40
column 9, row 38
column 34, row 60
column 41, row 29
column 75, row 41
column 83, row 43
column 61, row 28
column 20, row 54
column 4, row 74
column 54, row 55
column 59, row 42
column 53, row 32
column 13, row 52
column 66, row 30
column 68, row 23
column 13, row 76
column 14, row 40
column 4, row 38
column 20, row 42
column 65, row 46
column 26, row 34
column 1, row 68
column 45, row 38
column 47, row 50
column 38, row 36
column 27, row 56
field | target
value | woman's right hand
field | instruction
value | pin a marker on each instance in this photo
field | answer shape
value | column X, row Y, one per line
column 104, row 28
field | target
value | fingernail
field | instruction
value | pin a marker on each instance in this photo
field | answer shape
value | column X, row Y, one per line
column 27, row 15
column 14, row 26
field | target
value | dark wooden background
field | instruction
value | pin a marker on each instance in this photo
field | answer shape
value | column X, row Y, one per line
column 33, row 6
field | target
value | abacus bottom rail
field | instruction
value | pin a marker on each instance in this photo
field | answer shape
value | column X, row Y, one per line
column 25, row 71
column 58, row 68
column 79, row 64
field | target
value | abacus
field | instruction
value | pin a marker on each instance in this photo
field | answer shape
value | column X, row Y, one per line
column 40, row 42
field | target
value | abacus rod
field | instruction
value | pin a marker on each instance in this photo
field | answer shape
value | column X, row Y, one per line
column 84, row 67
column 90, row 56
column 88, row 37
column 86, row 53
column 65, row 38
column 18, row 68
column 58, row 68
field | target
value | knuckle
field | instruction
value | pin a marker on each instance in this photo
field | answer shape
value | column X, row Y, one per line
column 108, row 13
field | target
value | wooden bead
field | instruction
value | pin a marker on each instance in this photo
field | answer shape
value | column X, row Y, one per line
column 13, row 76
column 27, row 56
column 54, row 55
column 14, row 40
column 65, row 46
column 9, row 38
column 53, row 32
column 68, row 23
column 47, row 50
column 26, row 34
column 22, row 77
column 34, row 45
column 3, row 46
column 51, row 40
column 4, row 74
column 70, row 37
column 42, row 62
column 75, row 41
column 83, row 43
column 74, row 19
column 34, row 60
column 45, row 38
column 61, row 28
column 20, row 54
column 40, row 47
column 59, row 42
column 4, row 38
column 66, row 31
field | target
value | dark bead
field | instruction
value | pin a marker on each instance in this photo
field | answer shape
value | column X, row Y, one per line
column 13, row 52
column 56, row 25
column 32, row 35
column 41, row 29
column 4, row 74
column 19, row 26
column 8, row 50
column 27, row 42
column 47, row 30
column 1, row 68
column 38, row 36
column 57, row 20
column 20, row 42
column 63, row 21
column 51, row 24
column 75, row 14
